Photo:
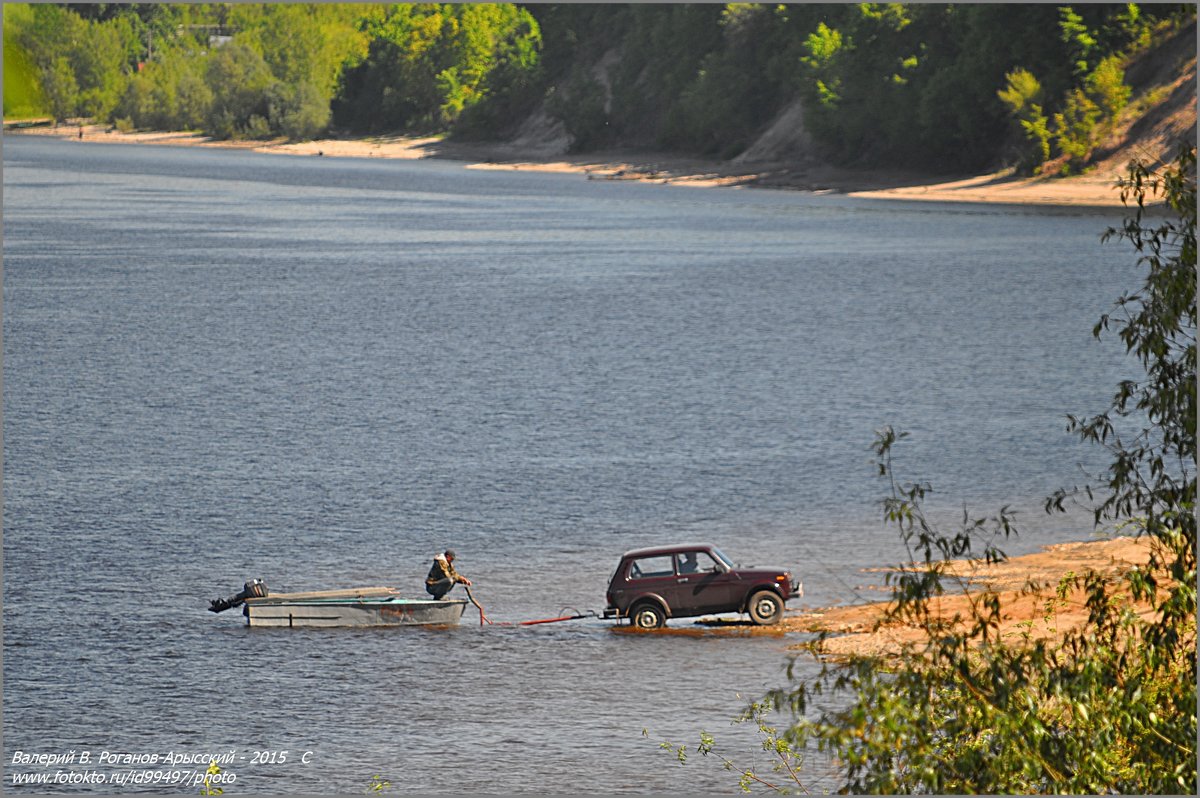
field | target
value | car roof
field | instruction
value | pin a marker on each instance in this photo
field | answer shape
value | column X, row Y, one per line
column 672, row 549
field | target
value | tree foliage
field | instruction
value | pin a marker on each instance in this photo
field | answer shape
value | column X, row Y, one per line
column 881, row 83
column 1023, row 96
column 427, row 63
column 892, row 84
column 81, row 65
column 1152, row 477
column 240, row 79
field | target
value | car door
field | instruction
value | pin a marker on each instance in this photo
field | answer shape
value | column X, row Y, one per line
column 654, row 575
column 703, row 584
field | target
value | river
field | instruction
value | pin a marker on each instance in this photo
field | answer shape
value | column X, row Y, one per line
column 221, row 365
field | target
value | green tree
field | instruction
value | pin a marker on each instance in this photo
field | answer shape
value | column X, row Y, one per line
column 1078, row 38
column 1022, row 95
column 1106, row 85
column 82, row 65
column 304, row 42
column 239, row 80
column 101, row 65
column 582, row 108
column 1090, row 112
column 22, row 90
column 966, row 53
column 193, row 98
column 1075, row 127
column 510, row 90
column 170, row 92
column 60, row 89
column 47, row 36
column 427, row 63
column 734, row 91
column 298, row 111
column 305, row 47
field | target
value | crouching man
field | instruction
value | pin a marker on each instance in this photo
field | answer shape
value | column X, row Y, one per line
column 442, row 575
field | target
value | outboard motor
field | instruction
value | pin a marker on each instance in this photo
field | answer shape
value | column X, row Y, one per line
column 255, row 588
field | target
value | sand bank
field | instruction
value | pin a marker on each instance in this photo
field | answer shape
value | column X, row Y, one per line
column 1093, row 190
column 1039, row 614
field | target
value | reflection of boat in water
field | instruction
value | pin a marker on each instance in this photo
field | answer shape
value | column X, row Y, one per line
column 366, row 606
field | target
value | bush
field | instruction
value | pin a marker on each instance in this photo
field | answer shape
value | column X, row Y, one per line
column 60, row 89
column 1023, row 96
column 256, row 127
column 1076, row 127
column 581, row 108
column 298, row 112
column 194, row 100
column 239, row 80
column 1106, row 86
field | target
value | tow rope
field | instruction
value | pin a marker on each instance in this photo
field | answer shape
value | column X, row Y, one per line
column 575, row 617
column 483, row 619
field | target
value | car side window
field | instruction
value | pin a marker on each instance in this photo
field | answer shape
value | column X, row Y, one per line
column 648, row 567
column 696, row 562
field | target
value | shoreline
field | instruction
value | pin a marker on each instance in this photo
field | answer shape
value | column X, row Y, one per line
column 1026, row 585
column 1094, row 190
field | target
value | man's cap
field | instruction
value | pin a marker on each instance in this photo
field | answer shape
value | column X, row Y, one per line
column 450, row 553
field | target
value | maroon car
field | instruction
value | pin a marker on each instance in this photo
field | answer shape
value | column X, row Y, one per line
column 652, row 585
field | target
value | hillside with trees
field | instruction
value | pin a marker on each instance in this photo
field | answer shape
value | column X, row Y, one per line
column 944, row 88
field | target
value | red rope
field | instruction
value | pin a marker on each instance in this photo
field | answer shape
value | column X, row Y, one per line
column 551, row 620
column 484, row 619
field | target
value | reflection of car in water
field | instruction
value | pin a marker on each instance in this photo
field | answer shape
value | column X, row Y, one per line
column 652, row 585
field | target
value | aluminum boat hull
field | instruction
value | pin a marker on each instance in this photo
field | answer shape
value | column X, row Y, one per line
column 282, row 611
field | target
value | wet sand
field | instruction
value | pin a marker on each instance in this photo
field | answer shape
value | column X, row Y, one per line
column 1026, row 586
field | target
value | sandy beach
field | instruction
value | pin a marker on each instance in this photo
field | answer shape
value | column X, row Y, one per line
column 1095, row 189
column 1026, row 586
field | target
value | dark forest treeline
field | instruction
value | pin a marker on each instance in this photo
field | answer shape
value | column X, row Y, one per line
column 943, row 86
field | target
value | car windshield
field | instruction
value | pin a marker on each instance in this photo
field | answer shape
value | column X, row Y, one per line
column 720, row 555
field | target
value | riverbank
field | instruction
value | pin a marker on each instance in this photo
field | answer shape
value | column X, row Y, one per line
column 1039, row 613
column 1096, row 189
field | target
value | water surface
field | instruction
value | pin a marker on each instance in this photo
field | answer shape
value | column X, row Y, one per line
column 222, row 365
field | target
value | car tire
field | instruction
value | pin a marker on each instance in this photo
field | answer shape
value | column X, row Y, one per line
column 765, row 608
column 647, row 615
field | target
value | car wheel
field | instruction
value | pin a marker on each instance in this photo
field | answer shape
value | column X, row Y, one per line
column 647, row 616
column 766, row 607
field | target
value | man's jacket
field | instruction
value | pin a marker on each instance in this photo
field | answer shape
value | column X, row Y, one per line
column 442, row 569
